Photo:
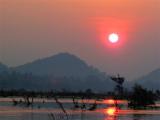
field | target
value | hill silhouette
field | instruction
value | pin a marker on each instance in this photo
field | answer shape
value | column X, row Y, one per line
column 3, row 67
column 65, row 71
column 150, row 81
column 63, row 64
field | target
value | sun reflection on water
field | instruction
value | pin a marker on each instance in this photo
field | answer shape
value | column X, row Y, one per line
column 111, row 118
column 111, row 113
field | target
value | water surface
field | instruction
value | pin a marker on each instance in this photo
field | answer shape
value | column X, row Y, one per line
column 48, row 109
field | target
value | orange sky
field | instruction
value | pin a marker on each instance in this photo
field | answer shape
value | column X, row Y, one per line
column 32, row 29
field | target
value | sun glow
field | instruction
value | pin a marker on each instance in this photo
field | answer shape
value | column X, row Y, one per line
column 112, row 33
column 113, row 38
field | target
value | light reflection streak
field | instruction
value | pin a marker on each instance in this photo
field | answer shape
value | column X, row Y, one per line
column 111, row 113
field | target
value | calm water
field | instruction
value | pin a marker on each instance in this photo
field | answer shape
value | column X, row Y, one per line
column 49, row 110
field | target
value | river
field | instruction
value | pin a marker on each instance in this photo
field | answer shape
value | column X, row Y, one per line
column 48, row 109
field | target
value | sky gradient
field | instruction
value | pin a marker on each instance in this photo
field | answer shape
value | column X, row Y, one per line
column 33, row 29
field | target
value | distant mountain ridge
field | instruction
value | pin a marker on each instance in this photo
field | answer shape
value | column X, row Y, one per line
column 3, row 67
column 65, row 71
column 150, row 81
column 63, row 64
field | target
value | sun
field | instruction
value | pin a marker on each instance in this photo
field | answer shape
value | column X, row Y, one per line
column 113, row 38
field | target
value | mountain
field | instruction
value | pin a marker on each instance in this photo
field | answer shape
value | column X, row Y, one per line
column 63, row 64
column 3, row 67
column 66, row 71
column 150, row 81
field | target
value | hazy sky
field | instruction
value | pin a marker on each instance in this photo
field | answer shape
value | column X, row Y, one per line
column 32, row 29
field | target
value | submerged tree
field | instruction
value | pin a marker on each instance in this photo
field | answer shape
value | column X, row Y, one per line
column 141, row 97
column 119, row 87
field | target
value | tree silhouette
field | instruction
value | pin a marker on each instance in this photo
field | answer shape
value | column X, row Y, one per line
column 141, row 97
column 119, row 87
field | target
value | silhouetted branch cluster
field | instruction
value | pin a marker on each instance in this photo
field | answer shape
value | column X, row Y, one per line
column 141, row 97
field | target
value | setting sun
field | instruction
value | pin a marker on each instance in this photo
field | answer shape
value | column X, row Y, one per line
column 113, row 38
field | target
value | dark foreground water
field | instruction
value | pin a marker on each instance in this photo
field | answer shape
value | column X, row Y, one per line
column 49, row 110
